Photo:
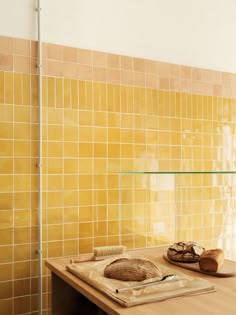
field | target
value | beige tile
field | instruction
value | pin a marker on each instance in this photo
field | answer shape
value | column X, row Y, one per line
column 69, row 70
column 21, row 47
column 113, row 76
column 85, row 57
column 113, row 61
column 126, row 77
column 99, row 74
column 126, row 63
column 70, row 54
column 54, row 68
column 6, row 62
column 84, row 72
column 99, row 59
column 138, row 64
column 54, row 52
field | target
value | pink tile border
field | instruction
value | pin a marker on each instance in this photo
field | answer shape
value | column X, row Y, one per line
column 20, row 55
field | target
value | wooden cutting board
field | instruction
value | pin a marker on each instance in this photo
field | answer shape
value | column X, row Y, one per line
column 227, row 270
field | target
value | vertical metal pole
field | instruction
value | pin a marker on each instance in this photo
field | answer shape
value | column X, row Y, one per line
column 40, row 249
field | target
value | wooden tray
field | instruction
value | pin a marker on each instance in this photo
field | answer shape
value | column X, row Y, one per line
column 227, row 270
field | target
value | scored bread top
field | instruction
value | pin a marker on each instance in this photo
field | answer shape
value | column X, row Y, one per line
column 133, row 269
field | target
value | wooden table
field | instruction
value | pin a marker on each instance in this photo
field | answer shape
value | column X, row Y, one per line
column 70, row 294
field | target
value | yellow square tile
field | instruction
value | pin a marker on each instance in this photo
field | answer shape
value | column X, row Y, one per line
column 71, row 247
column 85, row 230
column 128, row 241
column 100, row 135
column 71, row 182
column 55, row 116
column 5, row 272
column 21, row 252
column 22, row 165
column 6, row 113
column 85, row 214
column 6, row 130
column 85, row 118
column 71, row 230
column 6, row 165
column 22, row 182
column 100, row 165
column 103, row 96
column 51, row 88
column 55, row 132
column 140, row 241
column 21, row 148
column 85, row 182
column 96, row 95
column 70, row 214
column 22, row 131
column 114, row 135
column 54, row 165
column 6, row 288
column 100, row 119
column 71, row 149
column 85, row 133
column 55, row 232
column 22, row 200
column 55, row 182
column 2, row 84
column 88, row 95
column 71, row 117
column 18, row 88
column 70, row 133
column 85, row 245
column 6, row 254
column 85, row 197
column 82, row 95
column 26, row 89
column 22, row 235
column 113, row 228
column 54, row 199
column 22, row 287
column 113, row 150
column 71, row 166
column 86, row 150
column 55, row 149
column 6, row 183
column 100, row 229
column 55, row 249
column 59, row 93
column 6, row 306
column 9, row 86
column 74, row 94
column 22, row 218
column 34, row 90
column 70, row 198
column 100, row 150
column 67, row 93
column 6, row 234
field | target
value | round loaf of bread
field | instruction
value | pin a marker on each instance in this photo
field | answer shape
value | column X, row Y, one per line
column 132, row 269
column 185, row 252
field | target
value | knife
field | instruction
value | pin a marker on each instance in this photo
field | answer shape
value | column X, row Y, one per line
column 173, row 276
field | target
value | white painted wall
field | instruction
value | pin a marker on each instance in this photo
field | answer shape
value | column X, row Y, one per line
column 198, row 33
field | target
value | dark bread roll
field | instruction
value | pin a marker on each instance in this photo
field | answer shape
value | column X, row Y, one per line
column 185, row 252
column 132, row 270
column 211, row 260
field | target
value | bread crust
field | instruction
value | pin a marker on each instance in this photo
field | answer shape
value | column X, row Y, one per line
column 132, row 269
column 185, row 251
column 211, row 260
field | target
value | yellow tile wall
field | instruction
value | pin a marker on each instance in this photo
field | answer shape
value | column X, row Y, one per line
column 103, row 114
